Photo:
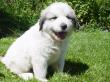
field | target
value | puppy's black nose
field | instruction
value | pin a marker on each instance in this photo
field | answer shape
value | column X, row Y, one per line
column 63, row 26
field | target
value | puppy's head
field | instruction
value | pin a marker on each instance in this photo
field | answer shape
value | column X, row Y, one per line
column 58, row 20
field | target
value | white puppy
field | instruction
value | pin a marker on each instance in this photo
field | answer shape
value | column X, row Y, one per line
column 43, row 44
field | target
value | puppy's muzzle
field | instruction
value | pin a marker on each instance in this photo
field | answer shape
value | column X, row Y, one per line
column 62, row 35
column 63, row 26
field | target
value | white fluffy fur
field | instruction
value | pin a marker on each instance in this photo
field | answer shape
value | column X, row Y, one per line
column 37, row 49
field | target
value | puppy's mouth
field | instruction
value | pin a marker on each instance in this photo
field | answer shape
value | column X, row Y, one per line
column 61, row 35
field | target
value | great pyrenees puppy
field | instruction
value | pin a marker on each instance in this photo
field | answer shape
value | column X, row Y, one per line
column 44, row 44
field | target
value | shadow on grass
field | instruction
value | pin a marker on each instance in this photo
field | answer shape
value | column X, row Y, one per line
column 72, row 68
column 75, row 68
column 2, row 76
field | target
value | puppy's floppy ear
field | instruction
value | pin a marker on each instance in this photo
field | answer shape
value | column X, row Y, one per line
column 75, row 20
column 41, row 22
column 76, row 23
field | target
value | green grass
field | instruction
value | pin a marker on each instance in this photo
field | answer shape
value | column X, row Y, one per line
column 87, row 60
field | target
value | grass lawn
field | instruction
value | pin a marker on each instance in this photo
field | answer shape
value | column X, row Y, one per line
column 87, row 60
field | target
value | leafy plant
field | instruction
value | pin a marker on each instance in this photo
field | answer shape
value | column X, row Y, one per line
column 21, row 14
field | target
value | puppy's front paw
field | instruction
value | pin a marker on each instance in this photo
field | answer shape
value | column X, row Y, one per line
column 26, row 76
column 42, row 80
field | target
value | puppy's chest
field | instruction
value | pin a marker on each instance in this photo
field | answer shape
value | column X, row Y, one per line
column 53, row 53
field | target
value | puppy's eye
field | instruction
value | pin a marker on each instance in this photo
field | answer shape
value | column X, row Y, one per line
column 53, row 18
column 71, row 18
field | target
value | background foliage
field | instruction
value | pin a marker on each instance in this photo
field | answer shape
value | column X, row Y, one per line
column 18, row 15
